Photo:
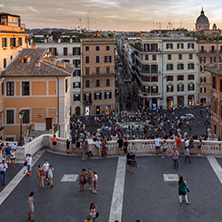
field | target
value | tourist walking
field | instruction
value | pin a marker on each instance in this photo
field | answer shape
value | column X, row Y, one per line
column 191, row 145
column 41, row 175
column 187, row 155
column 50, row 175
column 7, row 151
column 54, row 142
column 125, row 145
column 178, row 143
column 31, row 206
column 175, row 158
column 133, row 163
column 157, row 144
column 98, row 147
column 29, row 165
column 89, row 179
column 199, row 146
column 120, row 143
column 3, row 168
column 93, row 211
column 128, row 162
column 95, row 182
column 73, row 142
column 82, row 180
column 183, row 189
column 12, row 158
column 25, row 163
column 46, row 167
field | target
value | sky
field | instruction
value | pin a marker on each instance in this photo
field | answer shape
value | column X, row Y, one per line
column 124, row 15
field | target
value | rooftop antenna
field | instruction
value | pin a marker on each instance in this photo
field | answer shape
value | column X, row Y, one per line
column 80, row 20
column 88, row 19
column 181, row 23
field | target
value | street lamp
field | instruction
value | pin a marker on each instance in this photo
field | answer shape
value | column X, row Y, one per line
column 21, row 139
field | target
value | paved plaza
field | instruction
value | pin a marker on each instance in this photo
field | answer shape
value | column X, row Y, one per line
column 147, row 196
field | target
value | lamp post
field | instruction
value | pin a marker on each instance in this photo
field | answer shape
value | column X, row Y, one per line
column 21, row 139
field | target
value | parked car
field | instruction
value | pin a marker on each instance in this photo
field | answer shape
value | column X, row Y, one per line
column 187, row 116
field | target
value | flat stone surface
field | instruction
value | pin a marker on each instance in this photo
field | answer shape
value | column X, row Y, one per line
column 148, row 198
column 69, row 178
column 63, row 202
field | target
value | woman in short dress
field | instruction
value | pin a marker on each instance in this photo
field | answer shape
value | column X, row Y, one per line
column 41, row 175
column 12, row 158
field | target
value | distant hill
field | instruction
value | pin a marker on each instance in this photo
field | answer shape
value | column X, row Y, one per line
column 46, row 29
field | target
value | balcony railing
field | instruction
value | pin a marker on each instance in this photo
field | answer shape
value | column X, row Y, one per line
column 87, row 102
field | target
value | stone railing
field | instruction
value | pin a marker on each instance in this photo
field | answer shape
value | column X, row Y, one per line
column 138, row 146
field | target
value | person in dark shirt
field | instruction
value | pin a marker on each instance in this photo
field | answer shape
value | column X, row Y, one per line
column 132, row 159
column 67, row 145
column 120, row 143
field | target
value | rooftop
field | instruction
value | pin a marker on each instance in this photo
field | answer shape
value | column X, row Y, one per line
column 215, row 68
column 39, row 63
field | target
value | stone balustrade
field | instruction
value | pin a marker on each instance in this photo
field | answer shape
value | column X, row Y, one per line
column 209, row 147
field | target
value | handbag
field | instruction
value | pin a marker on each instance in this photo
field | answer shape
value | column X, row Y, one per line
column 97, row 214
column 25, row 163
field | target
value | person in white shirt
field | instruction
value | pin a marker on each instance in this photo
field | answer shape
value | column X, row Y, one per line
column 98, row 145
column 157, row 144
column 50, row 175
column 3, row 167
column 46, row 167
column 29, row 165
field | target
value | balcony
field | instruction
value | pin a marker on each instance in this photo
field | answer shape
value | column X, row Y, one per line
column 87, row 102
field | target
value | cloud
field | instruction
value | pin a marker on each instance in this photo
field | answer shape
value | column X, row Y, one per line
column 32, row 9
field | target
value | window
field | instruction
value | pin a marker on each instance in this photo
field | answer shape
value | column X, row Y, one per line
column 87, row 97
column 76, row 85
column 202, row 89
column 202, row 59
column 97, row 96
column 87, row 48
column 97, row 83
column 76, row 97
column 10, row 116
column 180, row 66
column 77, row 72
column 212, row 59
column 146, row 78
column 25, row 88
column 190, row 56
column 107, row 82
column 212, row 48
column 190, row 77
column 169, row 57
column 107, row 70
column 154, row 68
column 4, row 63
column 154, row 47
column 146, row 57
column 180, row 78
column 214, row 82
column 107, row 48
column 169, row 66
column 190, row 66
column 87, row 59
column 108, row 59
column 215, row 129
column 26, row 117
column 11, row 57
column 97, row 70
column 146, row 89
column 215, row 106
column 76, row 51
column 169, row 46
column 154, row 58
column 169, row 78
column 87, row 83
column 107, row 95
column 53, row 51
column 12, row 42
column 4, row 42
column 97, row 59
column 180, row 87
column 97, row 48
column 87, row 70
column 76, row 63
column 66, row 60
column 190, row 87
column 65, row 51
column 190, row 45
column 180, row 46
column 202, row 49
column 10, row 88
column 20, row 41
column 202, row 68
column 154, row 89
column 180, row 56
column 220, row 85
column 170, row 88
column 66, row 85
column 203, row 79
column 154, row 79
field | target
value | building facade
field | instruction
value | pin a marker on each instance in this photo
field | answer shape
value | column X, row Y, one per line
column 70, row 52
column 165, row 72
column 37, row 84
column 216, row 99
column 98, row 75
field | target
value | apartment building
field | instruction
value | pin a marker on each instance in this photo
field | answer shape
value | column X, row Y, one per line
column 165, row 72
column 215, row 70
column 66, row 48
column 38, row 84
column 12, row 40
column 98, row 75
column 208, row 51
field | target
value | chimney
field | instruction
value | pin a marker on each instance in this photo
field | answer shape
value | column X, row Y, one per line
column 37, row 65
column 63, row 65
column 34, row 46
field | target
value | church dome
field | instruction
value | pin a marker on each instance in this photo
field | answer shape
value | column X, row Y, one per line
column 202, row 18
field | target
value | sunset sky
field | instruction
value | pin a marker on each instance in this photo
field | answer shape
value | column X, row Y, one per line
column 126, row 15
